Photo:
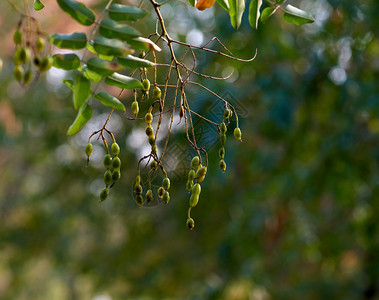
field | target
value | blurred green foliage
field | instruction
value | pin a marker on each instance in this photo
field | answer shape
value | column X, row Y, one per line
column 295, row 216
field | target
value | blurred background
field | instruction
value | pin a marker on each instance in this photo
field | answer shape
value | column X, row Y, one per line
column 295, row 216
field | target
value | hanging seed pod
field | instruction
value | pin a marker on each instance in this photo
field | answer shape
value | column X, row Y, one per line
column 200, row 174
column 138, row 180
column 40, row 44
column 191, row 175
column 25, row 55
column 18, row 72
column 190, row 223
column 223, row 128
column 88, row 149
column 151, row 140
column 166, row 197
column 115, row 148
column 149, row 130
column 108, row 177
column 148, row 118
column 166, row 183
column 116, row 176
column 107, row 161
column 161, row 192
column 28, row 77
column 194, row 199
column 139, row 200
column 104, row 194
column 222, row 139
column 138, row 189
column 16, row 57
column 135, row 107
column 154, row 149
column 227, row 113
column 17, row 37
column 195, row 163
column 149, row 196
column 238, row 134
column 157, row 94
column 189, row 185
column 146, row 85
column 221, row 152
column 116, row 163
column 153, row 165
column 222, row 165
column 46, row 64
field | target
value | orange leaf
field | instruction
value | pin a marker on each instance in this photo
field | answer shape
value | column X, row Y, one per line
column 204, row 4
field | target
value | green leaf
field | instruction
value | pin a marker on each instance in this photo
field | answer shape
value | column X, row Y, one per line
column 77, row 40
column 69, row 83
column 266, row 13
column 133, row 62
column 102, row 56
column 123, row 82
column 66, row 61
column 38, row 5
column 254, row 12
column 144, row 44
column 83, row 116
column 102, row 67
column 224, row 4
column 109, row 100
column 297, row 16
column 78, row 11
column 119, row 12
column 82, row 90
column 90, row 75
column 236, row 9
column 111, row 29
column 106, row 46
column 192, row 2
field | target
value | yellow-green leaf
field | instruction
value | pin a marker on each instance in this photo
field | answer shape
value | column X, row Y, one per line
column 254, row 12
column 109, row 100
column 38, row 5
column 266, row 13
column 66, row 61
column 83, row 116
column 133, row 62
column 102, row 67
column 82, row 90
column 236, row 9
column 114, row 47
column 123, row 82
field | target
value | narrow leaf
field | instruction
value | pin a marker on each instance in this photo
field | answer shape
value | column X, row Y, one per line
column 38, row 5
column 224, row 4
column 78, row 11
column 102, row 67
column 83, row 116
column 106, row 46
column 144, row 44
column 119, row 12
column 111, row 29
column 236, row 9
column 297, row 16
column 90, row 75
column 109, row 100
column 69, row 83
column 266, row 13
column 254, row 12
column 102, row 56
column 123, row 82
column 82, row 90
column 66, row 61
column 133, row 62
column 77, row 40
column 192, row 2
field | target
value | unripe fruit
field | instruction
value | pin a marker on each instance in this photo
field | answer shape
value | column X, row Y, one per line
column 222, row 165
column 223, row 128
column 115, row 148
column 138, row 180
column 135, row 107
column 18, row 72
column 88, row 149
column 223, row 139
column 104, row 194
column 17, row 37
column 151, row 140
column 221, row 152
column 200, row 174
column 227, row 113
column 116, row 176
column 191, row 175
column 194, row 199
column 28, row 77
column 190, row 223
column 138, row 189
column 148, row 118
column 166, row 197
column 154, row 149
column 153, row 164
column 195, row 163
column 107, row 161
column 46, row 64
column 139, row 200
column 108, row 177
column 116, row 163
column 149, row 196
column 16, row 57
column 238, row 134
column 166, row 183
column 40, row 44
column 157, row 94
column 146, row 85
column 161, row 192
column 189, row 185
column 149, row 130
column 196, row 190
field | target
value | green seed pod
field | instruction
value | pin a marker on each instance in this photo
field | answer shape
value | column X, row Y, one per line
column 149, row 130
column 194, row 199
column 104, row 194
column 238, row 134
column 40, row 44
column 46, row 64
column 190, row 223
column 16, row 57
column 138, row 180
column 154, row 149
column 139, row 200
column 107, row 161
column 17, row 37
column 18, row 72
column 166, row 197
column 161, row 192
column 116, row 163
column 223, row 128
column 135, row 107
column 195, row 163
column 221, row 152
column 157, row 94
column 153, row 164
column 189, row 185
column 25, row 55
column 28, row 77
column 148, row 118
column 88, row 149
column 200, row 174
column 191, row 175
column 196, row 190
column 115, row 148
column 151, row 140
column 227, row 113
column 108, row 177
column 116, row 176
column 222, row 139
column 138, row 189
column 166, row 183
column 146, row 85
column 149, row 196
column 222, row 165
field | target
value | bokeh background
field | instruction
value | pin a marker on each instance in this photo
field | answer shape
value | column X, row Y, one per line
column 295, row 216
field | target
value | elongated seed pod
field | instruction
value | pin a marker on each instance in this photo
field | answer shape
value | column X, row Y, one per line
column 116, row 163
column 107, row 161
column 161, row 192
column 40, row 44
column 104, row 194
column 108, row 177
column 46, row 64
column 166, row 183
column 146, row 85
column 189, row 185
column 223, row 127
column 115, row 148
column 238, row 134
column 200, row 174
column 222, row 165
column 154, row 149
column 25, row 55
column 195, row 163
column 139, row 200
column 194, row 199
column 149, row 196
column 227, row 113
column 190, row 223
column 18, row 72
column 153, row 164
column 222, row 139
column 135, row 108
column 28, row 77
column 17, row 37
column 166, row 197
column 148, row 118
column 157, row 94
column 191, row 175
column 196, row 190
column 149, row 130
column 138, row 189
column 221, row 152
column 88, row 149
column 116, row 176
column 151, row 140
